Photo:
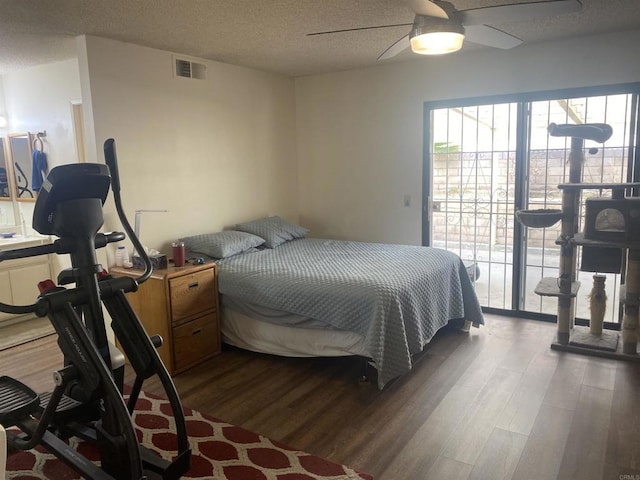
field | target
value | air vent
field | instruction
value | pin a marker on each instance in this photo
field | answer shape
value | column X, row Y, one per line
column 188, row 69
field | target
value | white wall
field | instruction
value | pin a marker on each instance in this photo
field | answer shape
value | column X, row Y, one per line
column 360, row 135
column 213, row 152
column 223, row 150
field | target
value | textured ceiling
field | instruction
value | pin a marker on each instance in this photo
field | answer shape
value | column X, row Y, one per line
column 264, row 34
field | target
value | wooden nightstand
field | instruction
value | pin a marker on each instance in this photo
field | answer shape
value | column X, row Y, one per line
column 180, row 305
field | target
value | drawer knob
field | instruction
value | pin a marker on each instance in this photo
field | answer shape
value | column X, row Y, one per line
column 196, row 331
column 193, row 285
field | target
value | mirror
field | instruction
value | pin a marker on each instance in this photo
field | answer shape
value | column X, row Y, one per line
column 20, row 153
column 5, row 192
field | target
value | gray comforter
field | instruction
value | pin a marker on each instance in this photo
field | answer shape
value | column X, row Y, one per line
column 396, row 296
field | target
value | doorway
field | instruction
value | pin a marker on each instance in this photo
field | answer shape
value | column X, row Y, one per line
column 485, row 159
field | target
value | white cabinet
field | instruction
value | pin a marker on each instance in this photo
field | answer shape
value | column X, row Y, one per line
column 5, row 288
column 19, row 280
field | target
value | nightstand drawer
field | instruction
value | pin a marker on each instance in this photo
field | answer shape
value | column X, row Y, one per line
column 181, row 305
column 192, row 294
column 196, row 341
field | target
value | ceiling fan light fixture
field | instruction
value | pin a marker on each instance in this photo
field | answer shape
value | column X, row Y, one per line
column 436, row 38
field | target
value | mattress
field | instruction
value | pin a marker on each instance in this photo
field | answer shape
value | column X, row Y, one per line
column 396, row 297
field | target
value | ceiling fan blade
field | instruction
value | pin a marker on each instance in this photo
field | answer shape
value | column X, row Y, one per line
column 428, row 8
column 396, row 48
column 518, row 12
column 360, row 28
column 492, row 37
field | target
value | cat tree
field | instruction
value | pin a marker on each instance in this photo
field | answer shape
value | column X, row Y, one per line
column 612, row 235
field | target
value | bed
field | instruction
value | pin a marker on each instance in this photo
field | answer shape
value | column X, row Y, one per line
column 321, row 297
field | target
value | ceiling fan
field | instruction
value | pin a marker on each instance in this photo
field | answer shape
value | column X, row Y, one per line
column 440, row 28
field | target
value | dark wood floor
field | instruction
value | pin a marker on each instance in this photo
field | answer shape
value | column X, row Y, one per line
column 497, row 403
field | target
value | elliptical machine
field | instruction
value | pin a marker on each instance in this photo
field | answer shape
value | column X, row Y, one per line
column 87, row 400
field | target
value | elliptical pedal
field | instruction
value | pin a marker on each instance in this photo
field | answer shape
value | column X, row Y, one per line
column 66, row 406
column 17, row 401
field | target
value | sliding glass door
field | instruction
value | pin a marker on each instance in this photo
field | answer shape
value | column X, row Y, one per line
column 485, row 160
column 473, row 168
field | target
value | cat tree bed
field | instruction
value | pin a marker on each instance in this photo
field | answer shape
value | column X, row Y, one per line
column 540, row 218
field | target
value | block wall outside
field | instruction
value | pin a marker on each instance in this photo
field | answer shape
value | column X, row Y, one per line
column 473, row 193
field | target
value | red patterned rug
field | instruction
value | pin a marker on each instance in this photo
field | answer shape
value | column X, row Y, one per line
column 220, row 451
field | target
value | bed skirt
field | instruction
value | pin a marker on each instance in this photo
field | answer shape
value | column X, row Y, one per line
column 248, row 333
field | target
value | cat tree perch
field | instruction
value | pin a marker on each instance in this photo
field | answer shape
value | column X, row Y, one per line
column 612, row 228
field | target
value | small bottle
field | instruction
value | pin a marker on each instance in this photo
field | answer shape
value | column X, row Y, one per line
column 121, row 256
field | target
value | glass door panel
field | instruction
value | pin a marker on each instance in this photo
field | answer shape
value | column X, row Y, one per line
column 487, row 161
column 548, row 167
column 472, row 196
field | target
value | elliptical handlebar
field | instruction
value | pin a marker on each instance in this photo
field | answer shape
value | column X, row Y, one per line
column 111, row 160
column 59, row 246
